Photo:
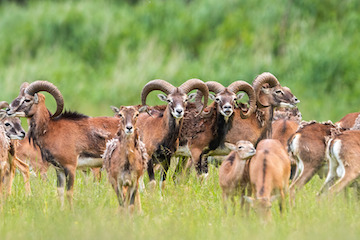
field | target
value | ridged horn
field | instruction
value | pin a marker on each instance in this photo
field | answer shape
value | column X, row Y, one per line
column 157, row 84
column 23, row 86
column 46, row 86
column 4, row 104
column 195, row 83
column 262, row 79
column 214, row 87
column 246, row 87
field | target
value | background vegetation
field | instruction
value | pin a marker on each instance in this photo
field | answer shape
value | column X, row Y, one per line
column 101, row 53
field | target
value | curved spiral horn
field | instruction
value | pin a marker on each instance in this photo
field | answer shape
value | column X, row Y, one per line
column 259, row 81
column 153, row 85
column 246, row 87
column 214, row 87
column 195, row 83
column 46, row 86
column 4, row 104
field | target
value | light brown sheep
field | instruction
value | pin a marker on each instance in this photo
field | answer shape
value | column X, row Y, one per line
column 232, row 176
column 125, row 159
column 269, row 173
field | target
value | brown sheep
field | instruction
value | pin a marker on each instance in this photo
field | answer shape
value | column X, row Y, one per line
column 232, row 176
column 269, row 172
column 67, row 140
column 125, row 159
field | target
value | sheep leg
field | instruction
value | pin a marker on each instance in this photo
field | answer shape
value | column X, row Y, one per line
column 305, row 176
column 195, row 153
column 281, row 201
column 150, row 171
column 204, row 161
column 132, row 197
column 25, row 171
column 165, row 165
column 297, row 168
column 137, row 200
column 70, row 179
column 60, row 185
column 330, row 179
column 12, row 175
column 180, row 167
column 225, row 201
column 233, row 204
column 344, row 181
column 118, row 187
column 97, row 174
column 3, row 166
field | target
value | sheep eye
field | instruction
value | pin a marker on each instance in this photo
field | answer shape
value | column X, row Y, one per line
column 7, row 124
column 27, row 100
column 279, row 92
column 217, row 99
column 241, row 147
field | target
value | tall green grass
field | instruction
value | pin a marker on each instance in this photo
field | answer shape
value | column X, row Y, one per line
column 101, row 53
column 191, row 210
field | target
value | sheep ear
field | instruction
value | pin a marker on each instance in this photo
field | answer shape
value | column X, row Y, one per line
column 212, row 97
column 240, row 96
column 143, row 109
column 249, row 199
column 162, row 97
column 115, row 109
column 230, row 146
column 191, row 96
column 36, row 98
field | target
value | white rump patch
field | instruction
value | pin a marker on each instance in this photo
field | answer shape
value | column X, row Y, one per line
column 340, row 170
column 294, row 145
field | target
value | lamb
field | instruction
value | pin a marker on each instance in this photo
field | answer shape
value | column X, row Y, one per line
column 125, row 159
column 14, row 132
column 269, row 172
column 233, row 176
column 308, row 148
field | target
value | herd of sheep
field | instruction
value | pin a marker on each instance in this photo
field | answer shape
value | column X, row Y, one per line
column 260, row 140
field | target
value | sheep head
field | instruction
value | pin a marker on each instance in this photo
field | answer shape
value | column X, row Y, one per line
column 176, row 97
column 273, row 94
column 25, row 105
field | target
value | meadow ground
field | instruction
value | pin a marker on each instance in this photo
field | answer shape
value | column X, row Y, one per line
column 190, row 210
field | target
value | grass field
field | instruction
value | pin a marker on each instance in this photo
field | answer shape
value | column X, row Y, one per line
column 189, row 210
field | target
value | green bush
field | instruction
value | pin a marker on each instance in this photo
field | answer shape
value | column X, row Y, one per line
column 101, row 53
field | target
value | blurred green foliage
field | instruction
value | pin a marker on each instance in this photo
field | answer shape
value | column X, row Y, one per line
column 101, row 53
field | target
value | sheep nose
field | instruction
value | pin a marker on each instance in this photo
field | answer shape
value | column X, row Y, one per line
column 22, row 134
column 179, row 111
column 129, row 127
column 227, row 107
